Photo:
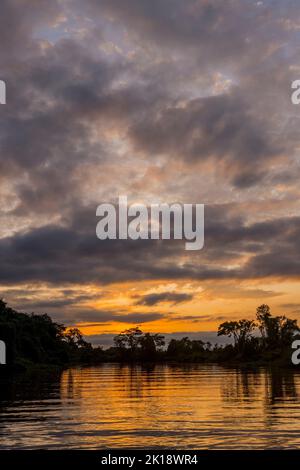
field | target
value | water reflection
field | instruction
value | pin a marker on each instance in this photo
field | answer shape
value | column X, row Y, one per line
column 190, row 406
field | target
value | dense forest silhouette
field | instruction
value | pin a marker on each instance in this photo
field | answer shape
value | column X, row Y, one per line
column 37, row 340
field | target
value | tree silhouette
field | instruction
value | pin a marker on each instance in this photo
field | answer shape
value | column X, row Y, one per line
column 135, row 344
column 129, row 339
column 240, row 331
column 275, row 331
column 263, row 315
column 37, row 339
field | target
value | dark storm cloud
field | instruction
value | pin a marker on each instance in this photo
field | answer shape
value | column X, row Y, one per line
column 74, row 255
column 18, row 20
column 58, row 255
column 218, row 128
column 220, row 31
column 252, row 42
column 57, row 94
column 172, row 297
column 45, row 131
column 66, row 95
column 102, row 317
column 38, row 306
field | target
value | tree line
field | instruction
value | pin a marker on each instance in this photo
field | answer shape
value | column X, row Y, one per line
column 266, row 338
column 37, row 339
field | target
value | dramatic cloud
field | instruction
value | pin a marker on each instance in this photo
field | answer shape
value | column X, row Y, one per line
column 172, row 297
column 220, row 128
column 166, row 101
column 101, row 317
column 69, row 255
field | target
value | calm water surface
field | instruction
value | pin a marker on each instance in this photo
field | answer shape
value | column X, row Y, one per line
column 114, row 406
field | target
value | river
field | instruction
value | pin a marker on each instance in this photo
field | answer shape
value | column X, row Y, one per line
column 163, row 406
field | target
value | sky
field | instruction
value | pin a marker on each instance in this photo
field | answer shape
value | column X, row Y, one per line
column 162, row 101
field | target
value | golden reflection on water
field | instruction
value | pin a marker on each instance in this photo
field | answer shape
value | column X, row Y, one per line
column 115, row 406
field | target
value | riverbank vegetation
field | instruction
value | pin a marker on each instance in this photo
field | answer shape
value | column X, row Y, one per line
column 36, row 339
